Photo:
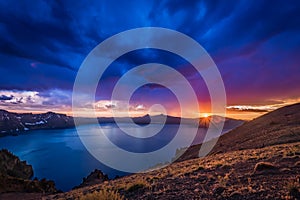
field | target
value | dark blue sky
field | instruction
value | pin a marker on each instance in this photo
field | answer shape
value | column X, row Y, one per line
column 255, row 44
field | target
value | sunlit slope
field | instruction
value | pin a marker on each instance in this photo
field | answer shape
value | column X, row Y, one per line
column 277, row 127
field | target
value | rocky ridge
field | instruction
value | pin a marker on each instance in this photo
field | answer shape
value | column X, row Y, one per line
column 15, row 176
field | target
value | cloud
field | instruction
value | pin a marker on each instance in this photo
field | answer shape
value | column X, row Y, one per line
column 140, row 107
column 35, row 101
column 21, row 97
column 244, row 108
column 269, row 106
column 254, row 44
column 111, row 106
column 6, row 98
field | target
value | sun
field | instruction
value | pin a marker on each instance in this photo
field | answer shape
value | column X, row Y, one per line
column 205, row 115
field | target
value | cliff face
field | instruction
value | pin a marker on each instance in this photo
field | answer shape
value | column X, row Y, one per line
column 15, row 176
column 12, row 166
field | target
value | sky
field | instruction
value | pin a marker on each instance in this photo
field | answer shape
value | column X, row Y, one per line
column 254, row 44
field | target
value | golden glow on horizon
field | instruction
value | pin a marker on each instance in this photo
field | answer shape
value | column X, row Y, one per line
column 230, row 114
column 244, row 112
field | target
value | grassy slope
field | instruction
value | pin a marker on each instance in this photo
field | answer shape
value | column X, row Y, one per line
column 229, row 175
column 278, row 127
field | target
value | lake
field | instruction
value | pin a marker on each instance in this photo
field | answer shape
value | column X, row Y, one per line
column 59, row 155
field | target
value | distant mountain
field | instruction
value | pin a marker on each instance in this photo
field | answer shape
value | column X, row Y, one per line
column 229, row 123
column 146, row 119
column 277, row 127
column 13, row 123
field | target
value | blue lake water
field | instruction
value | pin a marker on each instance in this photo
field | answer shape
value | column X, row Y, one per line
column 59, row 155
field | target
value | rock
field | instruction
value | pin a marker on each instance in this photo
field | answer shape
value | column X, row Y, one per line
column 285, row 170
column 295, row 193
column 235, row 195
column 297, row 164
column 202, row 179
column 218, row 191
column 12, row 166
column 196, row 190
column 15, row 176
column 265, row 167
column 95, row 177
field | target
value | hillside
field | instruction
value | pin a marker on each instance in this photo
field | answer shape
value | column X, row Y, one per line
column 277, row 127
column 265, row 173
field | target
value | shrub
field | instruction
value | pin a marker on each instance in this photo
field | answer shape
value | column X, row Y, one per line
column 103, row 195
column 136, row 187
column 293, row 190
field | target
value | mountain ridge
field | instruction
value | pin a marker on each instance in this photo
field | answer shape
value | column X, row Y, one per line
column 14, row 123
